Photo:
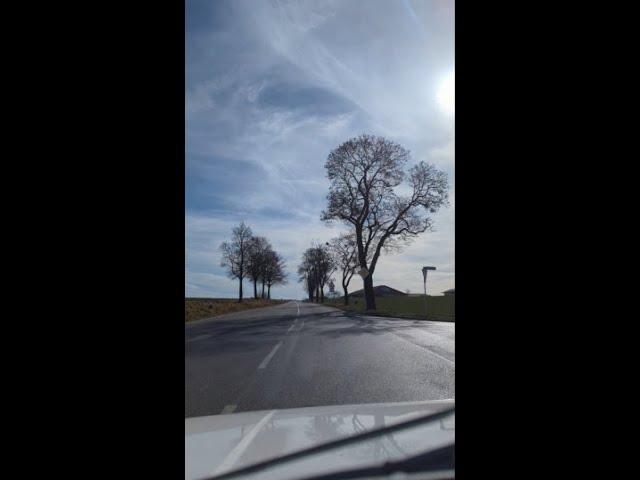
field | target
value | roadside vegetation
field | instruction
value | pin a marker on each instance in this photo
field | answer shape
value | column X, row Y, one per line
column 441, row 308
column 252, row 257
column 199, row 308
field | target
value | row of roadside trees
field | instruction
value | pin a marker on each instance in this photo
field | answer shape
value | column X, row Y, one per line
column 252, row 257
column 383, row 204
column 315, row 270
column 320, row 262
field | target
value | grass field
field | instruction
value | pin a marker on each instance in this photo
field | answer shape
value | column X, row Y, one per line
column 439, row 307
column 197, row 308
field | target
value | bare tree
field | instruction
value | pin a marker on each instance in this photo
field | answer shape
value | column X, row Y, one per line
column 345, row 257
column 307, row 274
column 325, row 266
column 364, row 172
column 234, row 254
column 315, row 270
column 256, row 260
column 274, row 272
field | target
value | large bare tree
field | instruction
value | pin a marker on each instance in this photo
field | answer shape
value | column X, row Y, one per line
column 364, row 173
column 235, row 253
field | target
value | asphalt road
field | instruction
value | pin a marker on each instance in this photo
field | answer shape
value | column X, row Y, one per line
column 300, row 355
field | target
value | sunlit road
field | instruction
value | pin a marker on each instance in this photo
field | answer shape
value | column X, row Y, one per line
column 299, row 355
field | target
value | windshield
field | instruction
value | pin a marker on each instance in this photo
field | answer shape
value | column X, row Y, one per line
column 319, row 227
column 389, row 441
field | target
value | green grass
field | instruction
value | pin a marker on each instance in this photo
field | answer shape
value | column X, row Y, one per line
column 198, row 308
column 439, row 307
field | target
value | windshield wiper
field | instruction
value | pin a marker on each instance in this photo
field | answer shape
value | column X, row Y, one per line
column 438, row 460
column 257, row 467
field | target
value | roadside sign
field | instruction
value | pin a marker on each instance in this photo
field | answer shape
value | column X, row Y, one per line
column 424, row 274
column 425, row 270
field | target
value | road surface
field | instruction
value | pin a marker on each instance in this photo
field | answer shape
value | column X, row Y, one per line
column 300, row 355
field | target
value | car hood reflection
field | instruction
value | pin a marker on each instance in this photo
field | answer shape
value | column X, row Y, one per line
column 221, row 443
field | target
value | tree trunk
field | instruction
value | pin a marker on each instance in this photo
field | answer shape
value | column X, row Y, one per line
column 368, row 293
column 269, row 292
column 321, row 294
column 240, row 294
column 346, row 296
column 255, row 288
column 262, row 289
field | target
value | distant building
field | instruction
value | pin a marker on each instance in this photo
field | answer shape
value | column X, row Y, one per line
column 380, row 291
column 451, row 291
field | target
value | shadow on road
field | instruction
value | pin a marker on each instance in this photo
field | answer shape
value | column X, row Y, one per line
column 249, row 335
column 358, row 326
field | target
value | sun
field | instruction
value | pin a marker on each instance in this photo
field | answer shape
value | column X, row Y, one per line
column 446, row 95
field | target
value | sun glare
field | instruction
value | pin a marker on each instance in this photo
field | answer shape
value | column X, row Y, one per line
column 447, row 94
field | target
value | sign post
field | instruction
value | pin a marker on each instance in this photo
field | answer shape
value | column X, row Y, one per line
column 424, row 275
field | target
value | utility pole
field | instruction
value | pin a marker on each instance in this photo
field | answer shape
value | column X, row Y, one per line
column 424, row 275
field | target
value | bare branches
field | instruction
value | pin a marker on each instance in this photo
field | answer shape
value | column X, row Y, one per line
column 273, row 272
column 345, row 256
column 315, row 270
column 253, row 257
column 364, row 172
column 234, row 254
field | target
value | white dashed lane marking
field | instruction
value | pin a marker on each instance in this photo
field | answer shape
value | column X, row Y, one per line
column 265, row 362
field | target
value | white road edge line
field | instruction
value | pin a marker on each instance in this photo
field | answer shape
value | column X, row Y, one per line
column 452, row 362
column 440, row 356
column 229, row 409
column 265, row 362
column 235, row 454
column 294, row 322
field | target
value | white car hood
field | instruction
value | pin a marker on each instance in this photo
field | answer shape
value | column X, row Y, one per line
column 221, row 443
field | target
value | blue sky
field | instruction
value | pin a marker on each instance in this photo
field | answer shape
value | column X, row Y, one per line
column 272, row 87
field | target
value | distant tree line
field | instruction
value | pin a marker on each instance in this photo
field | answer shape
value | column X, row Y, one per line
column 315, row 270
column 252, row 257
column 339, row 255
